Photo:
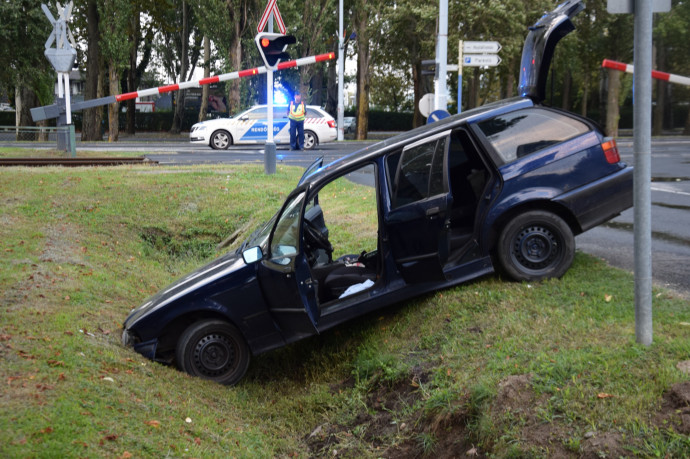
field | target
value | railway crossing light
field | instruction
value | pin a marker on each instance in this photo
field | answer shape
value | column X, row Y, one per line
column 272, row 48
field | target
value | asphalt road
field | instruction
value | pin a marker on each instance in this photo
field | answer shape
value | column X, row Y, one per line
column 612, row 241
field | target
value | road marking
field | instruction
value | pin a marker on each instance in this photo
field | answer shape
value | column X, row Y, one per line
column 666, row 190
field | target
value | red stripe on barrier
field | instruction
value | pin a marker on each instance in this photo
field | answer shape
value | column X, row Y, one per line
column 171, row 87
column 661, row 75
column 286, row 65
column 213, row 79
column 250, row 72
column 324, row 57
column 615, row 65
column 127, row 96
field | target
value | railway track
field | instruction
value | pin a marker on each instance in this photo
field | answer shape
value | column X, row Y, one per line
column 74, row 162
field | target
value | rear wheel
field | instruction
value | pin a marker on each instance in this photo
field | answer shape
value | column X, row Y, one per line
column 310, row 140
column 536, row 245
column 220, row 140
column 215, row 350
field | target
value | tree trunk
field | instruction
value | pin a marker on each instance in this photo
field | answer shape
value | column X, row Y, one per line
column 179, row 106
column 113, row 109
column 567, row 83
column 207, row 73
column 660, row 108
column 585, row 96
column 235, row 58
column 332, row 91
column 24, row 100
column 613, row 102
column 417, row 119
column 135, row 27
column 91, row 121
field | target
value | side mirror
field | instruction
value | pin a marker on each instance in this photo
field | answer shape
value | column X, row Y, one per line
column 245, row 118
column 252, row 255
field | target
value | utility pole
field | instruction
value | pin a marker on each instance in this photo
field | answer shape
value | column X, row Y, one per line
column 440, row 90
column 341, row 72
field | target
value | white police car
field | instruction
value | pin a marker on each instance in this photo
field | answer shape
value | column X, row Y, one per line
column 251, row 127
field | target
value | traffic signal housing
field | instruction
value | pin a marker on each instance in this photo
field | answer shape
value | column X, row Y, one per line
column 272, row 48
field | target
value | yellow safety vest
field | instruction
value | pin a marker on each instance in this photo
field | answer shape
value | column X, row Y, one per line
column 297, row 112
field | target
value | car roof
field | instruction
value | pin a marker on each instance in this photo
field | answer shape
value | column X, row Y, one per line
column 370, row 152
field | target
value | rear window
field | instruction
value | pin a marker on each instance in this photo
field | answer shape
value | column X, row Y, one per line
column 523, row 132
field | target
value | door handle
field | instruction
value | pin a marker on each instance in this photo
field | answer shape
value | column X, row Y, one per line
column 433, row 211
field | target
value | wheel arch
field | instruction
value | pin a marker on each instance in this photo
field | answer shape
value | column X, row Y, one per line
column 544, row 205
column 172, row 331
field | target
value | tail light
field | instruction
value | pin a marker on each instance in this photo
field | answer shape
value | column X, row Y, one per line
column 331, row 123
column 611, row 150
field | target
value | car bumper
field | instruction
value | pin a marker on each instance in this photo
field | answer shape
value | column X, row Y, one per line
column 147, row 349
column 601, row 200
column 198, row 140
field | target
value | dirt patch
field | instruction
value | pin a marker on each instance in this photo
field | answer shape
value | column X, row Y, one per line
column 606, row 444
column 675, row 409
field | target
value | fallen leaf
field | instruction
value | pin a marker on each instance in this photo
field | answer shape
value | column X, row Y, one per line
column 197, row 440
column 604, row 395
column 153, row 423
column 188, row 420
column 126, row 455
column 608, row 298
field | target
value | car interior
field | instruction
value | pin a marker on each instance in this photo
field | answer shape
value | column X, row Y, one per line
column 359, row 266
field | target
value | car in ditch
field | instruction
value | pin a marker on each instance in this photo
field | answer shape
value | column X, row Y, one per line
column 505, row 186
column 251, row 127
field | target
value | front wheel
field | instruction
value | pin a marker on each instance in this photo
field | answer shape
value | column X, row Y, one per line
column 220, row 140
column 536, row 245
column 310, row 140
column 215, row 350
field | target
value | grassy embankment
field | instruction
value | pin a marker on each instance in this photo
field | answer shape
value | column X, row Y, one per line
column 491, row 367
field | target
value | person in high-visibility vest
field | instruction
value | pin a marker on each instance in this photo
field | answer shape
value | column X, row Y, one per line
column 297, row 112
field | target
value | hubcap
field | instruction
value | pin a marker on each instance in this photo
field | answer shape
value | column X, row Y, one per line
column 308, row 141
column 535, row 247
column 220, row 140
column 214, row 355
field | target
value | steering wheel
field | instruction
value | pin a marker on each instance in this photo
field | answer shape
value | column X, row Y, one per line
column 316, row 237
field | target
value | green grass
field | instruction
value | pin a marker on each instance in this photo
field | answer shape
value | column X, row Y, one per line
column 81, row 247
column 16, row 152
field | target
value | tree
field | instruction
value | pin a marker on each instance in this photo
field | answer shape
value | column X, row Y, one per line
column 115, row 49
column 24, row 70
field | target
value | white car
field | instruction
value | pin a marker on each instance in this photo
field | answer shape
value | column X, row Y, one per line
column 251, row 127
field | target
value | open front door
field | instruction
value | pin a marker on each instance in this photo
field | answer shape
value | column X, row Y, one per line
column 285, row 277
column 417, row 223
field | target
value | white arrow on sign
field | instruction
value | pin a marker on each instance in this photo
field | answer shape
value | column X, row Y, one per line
column 480, row 60
column 481, row 47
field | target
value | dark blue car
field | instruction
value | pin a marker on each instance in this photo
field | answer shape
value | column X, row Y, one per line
column 505, row 186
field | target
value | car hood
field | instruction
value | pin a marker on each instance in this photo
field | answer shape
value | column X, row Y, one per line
column 213, row 122
column 539, row 47
column 218, row 268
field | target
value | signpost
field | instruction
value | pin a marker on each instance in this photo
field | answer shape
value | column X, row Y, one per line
column 270, row 13
column 480, row 54
column 62, row 58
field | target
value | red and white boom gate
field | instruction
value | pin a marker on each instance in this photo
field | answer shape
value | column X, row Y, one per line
column 54, row 111
column 627, row 68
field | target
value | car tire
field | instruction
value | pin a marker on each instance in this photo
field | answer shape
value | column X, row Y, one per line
column 220, row 140
column 214, row 350
column 310, row 140
column 536, row 245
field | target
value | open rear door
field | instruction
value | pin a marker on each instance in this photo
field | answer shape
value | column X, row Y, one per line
column 539, row 47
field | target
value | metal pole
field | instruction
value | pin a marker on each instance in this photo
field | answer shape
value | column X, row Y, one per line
column 341, row 73
column 441, row 97
column 642, row 145
column 270, row 148
column 460, row 50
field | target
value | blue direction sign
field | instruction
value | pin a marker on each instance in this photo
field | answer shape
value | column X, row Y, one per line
column 437, row 115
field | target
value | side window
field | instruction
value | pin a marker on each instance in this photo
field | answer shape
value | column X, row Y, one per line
column 279, row 112
column 419, row 172
column 258, row 114
column 523, row 132
column 311, row 113
column 285, row 238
